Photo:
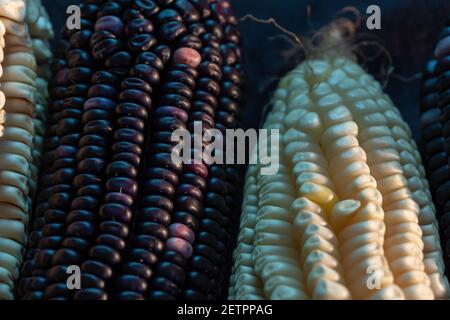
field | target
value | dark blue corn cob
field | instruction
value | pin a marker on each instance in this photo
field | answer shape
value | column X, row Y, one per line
column 137, row 224
column 435, row 116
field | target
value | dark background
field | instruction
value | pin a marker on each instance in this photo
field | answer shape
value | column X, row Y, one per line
column 409, row 31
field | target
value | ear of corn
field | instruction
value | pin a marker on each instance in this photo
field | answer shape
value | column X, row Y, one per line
column 434, row 119
column 111, row 200
column 25, row 30
column 349, row 214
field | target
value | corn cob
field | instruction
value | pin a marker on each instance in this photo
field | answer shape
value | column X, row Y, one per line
column 123, row 83
column 434, row 131
column 19, row 141
column 349, row 214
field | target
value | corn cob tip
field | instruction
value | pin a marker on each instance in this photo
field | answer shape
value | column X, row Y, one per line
column 335, row 38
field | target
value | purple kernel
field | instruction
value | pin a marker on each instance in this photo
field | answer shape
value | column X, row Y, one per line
column 178, row 230
column 110, row 23
column 179, row 245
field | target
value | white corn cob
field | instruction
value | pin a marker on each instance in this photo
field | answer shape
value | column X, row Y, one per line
column 352, row 215
column 18, row 174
